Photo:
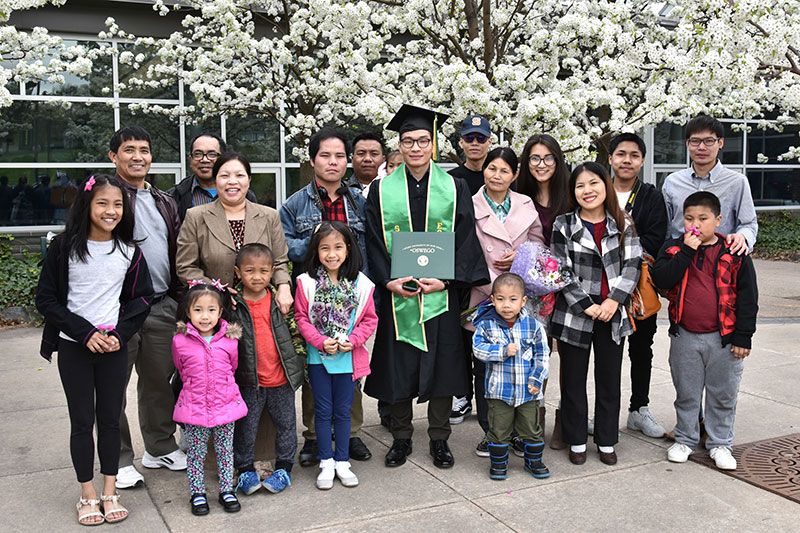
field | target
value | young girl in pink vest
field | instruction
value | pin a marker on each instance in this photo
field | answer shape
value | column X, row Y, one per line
column 205, row 352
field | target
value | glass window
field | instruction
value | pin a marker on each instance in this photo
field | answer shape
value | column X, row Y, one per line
column 51, row 132
column 99, row 78
column 263, row 186
column 31, row 196
column 211, row 125
column 142, row 55
column 669, row 144
column 771, row 143
column 258, row 138
column 12, row 85
column 294, row 180
column 775, row 186
column 162, row 181
column 732, row 149
column 162, row 129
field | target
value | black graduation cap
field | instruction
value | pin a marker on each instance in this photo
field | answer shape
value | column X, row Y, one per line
column 411, row 118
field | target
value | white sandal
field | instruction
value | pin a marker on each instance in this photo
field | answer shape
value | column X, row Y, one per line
column 94, row 510
column 118, row 508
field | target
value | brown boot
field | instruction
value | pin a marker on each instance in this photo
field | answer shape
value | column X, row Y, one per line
column 557, row 441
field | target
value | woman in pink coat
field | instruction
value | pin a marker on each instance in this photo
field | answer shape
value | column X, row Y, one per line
column 504, row 220
column 205, row 350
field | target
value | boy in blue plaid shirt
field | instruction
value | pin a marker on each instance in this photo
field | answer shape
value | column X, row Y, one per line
column 513, row 345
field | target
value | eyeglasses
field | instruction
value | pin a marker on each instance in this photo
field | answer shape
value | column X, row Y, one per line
column 407, row 143
column 472, row 137
column 549, row 160
column 197, row 155
column 708, row 141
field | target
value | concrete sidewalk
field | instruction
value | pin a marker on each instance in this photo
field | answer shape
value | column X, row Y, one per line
column 643, row 492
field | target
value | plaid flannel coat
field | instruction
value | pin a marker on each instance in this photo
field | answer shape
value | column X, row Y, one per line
column 507, row 378
column 574, row 246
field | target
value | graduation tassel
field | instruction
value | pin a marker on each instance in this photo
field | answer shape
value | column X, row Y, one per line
column 435, row 140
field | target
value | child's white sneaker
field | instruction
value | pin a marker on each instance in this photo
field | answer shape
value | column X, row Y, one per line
column 723, row 458
column 345, row 475
column 326, row 474
column 678, row 453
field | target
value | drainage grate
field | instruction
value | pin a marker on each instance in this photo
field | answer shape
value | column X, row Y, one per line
column 772, row 465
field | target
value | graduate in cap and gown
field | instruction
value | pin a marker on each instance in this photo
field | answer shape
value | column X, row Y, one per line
column 418, row 349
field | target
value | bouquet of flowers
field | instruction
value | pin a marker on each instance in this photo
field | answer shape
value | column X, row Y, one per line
column 542, row 273
column 543, row 276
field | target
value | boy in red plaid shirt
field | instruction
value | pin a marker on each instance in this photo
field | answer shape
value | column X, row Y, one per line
column 709, row 342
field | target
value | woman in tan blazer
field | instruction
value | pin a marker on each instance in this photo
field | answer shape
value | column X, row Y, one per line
column 212, row 234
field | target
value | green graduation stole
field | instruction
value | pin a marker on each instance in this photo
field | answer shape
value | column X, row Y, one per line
column 410, row 314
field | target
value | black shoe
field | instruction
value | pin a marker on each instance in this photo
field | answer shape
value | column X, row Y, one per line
column 386, row 421
column 396, row 456
column 359, row 450
column 309, row 455
column 229, row 502
column 442, row 458
column 199, row 504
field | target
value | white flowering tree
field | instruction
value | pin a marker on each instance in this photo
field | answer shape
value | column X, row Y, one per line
column 747, row 64
column 301, row 63
column 35, row 55
column 583, row 71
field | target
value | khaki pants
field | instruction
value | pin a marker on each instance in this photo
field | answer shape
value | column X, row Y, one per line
column 150, row 351
column 503, row 419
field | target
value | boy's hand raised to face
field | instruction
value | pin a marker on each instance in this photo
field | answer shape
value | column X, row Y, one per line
column 691, row 240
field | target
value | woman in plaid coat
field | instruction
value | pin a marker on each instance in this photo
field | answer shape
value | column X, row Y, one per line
column 598, row 243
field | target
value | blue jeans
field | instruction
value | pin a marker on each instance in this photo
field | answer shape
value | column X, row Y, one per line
column 333, row 397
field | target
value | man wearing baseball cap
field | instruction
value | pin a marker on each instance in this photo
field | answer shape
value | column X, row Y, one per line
column 476, row 140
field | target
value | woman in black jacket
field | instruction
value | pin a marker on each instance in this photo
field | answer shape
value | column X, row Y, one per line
column 94, row 293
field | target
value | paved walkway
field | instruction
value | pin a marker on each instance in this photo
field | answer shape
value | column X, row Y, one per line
column 643, row 492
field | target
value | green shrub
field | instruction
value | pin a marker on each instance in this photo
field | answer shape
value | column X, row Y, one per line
column 19, row 276
column 778, row 236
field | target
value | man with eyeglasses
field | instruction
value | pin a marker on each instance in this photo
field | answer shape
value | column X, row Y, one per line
column 418, row 350
column 704, row 140
column 476, row 140
column 199, row 188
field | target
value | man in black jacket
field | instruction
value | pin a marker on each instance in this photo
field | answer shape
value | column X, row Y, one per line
column 199, row 188
column 646, row 205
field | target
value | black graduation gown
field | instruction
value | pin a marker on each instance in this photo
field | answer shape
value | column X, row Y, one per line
column 399, row 371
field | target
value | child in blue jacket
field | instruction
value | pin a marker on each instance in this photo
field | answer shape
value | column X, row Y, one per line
column 514, row 347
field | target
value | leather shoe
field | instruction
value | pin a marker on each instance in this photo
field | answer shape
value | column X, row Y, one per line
column 359, row 450
column 609, row 458
column 440, row 451
column 396, row 456
column 577, row 458
column 309, row 453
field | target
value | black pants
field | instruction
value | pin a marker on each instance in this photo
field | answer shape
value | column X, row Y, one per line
column 94, row 385
column 438, row 418
column 640, row 351
column 477, row 388
column 607, row 371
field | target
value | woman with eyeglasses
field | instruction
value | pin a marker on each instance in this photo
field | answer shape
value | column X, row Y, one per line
column 544, row 177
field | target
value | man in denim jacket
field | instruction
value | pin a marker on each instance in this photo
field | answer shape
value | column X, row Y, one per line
column 325, row 198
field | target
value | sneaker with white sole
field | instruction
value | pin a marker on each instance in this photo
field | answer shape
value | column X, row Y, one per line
column 173, row 461
column 326, row 474
column 642, row 420
column 678, row 453
column 461, row 408
column 128, row 477
column 482, row 449
column 723, row 458
column 345, row 475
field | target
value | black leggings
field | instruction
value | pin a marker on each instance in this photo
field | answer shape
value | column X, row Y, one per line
column 94, row 385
